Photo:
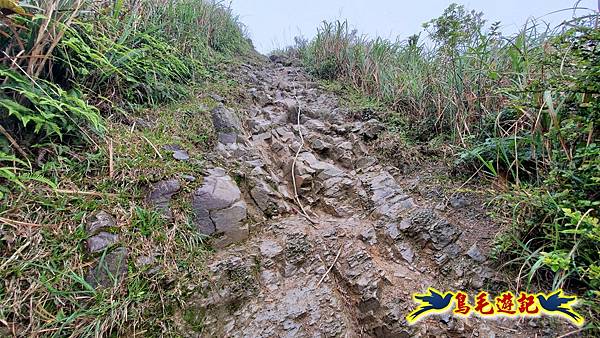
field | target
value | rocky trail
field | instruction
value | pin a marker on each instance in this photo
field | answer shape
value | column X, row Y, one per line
column 337, row 249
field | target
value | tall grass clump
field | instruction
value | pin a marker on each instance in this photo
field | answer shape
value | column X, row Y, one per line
column 442, row 88
column 65, row 65
column 74, row 77
column 524, row 107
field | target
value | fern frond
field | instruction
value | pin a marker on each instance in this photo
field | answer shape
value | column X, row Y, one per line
column 37, row 178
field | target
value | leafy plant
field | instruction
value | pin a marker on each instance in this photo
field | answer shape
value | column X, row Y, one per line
column 12, row 174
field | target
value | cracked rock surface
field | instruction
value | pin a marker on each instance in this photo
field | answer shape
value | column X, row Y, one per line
column 350, row 268
column 218, row 208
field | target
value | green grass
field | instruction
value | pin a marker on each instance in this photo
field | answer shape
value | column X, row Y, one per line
column 53, row 250
column 82, row 130
column 60, row 83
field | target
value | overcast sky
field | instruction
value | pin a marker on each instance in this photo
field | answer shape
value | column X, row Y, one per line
column 274, row 23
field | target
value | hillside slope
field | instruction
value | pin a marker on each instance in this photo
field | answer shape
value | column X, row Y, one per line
column 160, row 178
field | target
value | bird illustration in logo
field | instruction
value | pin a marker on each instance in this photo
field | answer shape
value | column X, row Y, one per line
column 431, row 302
column 556, row 303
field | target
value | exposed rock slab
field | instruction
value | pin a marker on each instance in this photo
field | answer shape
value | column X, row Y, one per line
column 160, row 195
column 99, row 228
column 219, row 210
column 110, row 270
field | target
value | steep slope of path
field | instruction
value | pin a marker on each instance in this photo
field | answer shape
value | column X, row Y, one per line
column 352, row 270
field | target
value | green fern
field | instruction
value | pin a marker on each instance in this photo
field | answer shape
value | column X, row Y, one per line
column 50, row 109
column 10, row 166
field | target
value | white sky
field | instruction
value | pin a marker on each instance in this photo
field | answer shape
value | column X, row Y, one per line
column 274, row 23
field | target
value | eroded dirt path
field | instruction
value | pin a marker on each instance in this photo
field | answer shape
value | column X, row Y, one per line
column 372, row 244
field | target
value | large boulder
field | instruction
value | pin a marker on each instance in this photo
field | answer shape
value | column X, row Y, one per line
column 225, row 120
column 219, row 210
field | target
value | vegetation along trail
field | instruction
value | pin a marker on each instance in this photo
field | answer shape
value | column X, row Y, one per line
column 157, row 180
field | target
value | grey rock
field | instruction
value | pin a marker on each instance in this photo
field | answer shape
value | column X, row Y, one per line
column 366, row 162
column 419, row 222
column 270, row 249
column 160, row 195
column 225, row 120
column 320, row 145
column 391, row 230
column 328, row 171
column 459, row 201
column 371, row 129
column 269, row 279
column 291, row 106
column 296, row 248
column 427, row 225
column 363, row 277
column 235, row 279
column 188, row 178
column 218, row 191
column 387, row 196
column 110, row 270
column 261, row 137
column 283, row 85
column 259, row 126
column 443, row 233
column 315, row 125
column 172, row 147
column 281, row 59
column 101, row 241
column 181, row 155
column 227, row 138
column 368, row 236
column 228, row 223
column 218, row 208
column 452, row 250
column 476, row 254
column 99, row 221
column 265, row 198
column 406, row 252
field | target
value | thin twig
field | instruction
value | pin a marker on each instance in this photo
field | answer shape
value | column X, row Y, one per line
column 18, row 223
column 14, row 256
column 153, row 146
column 332, row 264
column 111, row 167
column 87, row 193
column 570, row 333
column 14, row 143
column 313, row 222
